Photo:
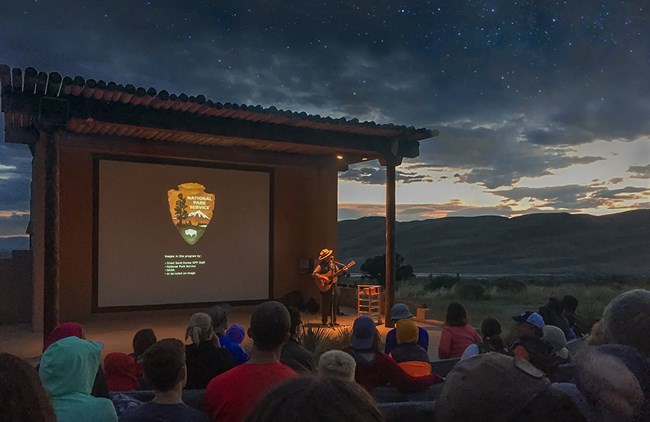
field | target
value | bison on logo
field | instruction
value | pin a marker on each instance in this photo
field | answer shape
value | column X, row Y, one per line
column 191, row 208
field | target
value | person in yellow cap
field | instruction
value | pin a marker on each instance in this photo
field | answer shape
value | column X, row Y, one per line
column 326, row 283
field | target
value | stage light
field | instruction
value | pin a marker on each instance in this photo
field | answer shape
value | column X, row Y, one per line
column 364, row 159
column 339, row 156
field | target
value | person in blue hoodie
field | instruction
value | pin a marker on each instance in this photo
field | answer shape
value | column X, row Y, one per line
column 67, row 370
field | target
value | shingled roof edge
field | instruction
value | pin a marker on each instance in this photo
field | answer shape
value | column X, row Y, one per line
column 111, row 91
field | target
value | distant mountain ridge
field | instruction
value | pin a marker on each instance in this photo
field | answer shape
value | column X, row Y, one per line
column 534, row 243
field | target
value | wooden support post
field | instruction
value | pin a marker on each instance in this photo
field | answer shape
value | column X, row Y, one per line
column 51, row 236
column 390, row 242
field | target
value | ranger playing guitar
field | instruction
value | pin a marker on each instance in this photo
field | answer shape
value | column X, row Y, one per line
column 326, row 274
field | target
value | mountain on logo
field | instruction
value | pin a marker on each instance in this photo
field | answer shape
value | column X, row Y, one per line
column 199, row 214
column 191, row 209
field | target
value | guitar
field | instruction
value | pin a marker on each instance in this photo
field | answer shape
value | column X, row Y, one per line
column 325, row 281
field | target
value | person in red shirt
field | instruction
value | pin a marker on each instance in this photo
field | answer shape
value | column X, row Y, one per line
column 230, row 396
column 456, row 334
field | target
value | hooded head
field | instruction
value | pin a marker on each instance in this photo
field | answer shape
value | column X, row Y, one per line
column 70, row 366
column 121, row 372
column 63, row 330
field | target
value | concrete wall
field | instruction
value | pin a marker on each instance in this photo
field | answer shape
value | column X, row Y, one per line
column 305, row 213
column 16, row 288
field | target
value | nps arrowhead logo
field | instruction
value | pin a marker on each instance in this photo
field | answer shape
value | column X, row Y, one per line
column 191, row 209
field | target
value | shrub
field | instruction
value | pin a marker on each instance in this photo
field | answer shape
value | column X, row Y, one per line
column 440, row 281
column 508, row 285
column 469, row 291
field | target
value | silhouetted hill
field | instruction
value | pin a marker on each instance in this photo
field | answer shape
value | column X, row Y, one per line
column 535, row 243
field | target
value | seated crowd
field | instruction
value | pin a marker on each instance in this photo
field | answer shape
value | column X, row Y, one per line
column 600, row 376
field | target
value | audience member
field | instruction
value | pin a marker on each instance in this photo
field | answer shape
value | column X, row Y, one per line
column 412, row 358
column 337, row 363
column 596, row 336
column 63, row 330
column 553, row 313
column 219, row 315
column 496, row 387
column 121, row 372
column 68, row 369
column 530, row 346
column 492, row 341
column 374, row 368
column 316, row 399
column 236, row 333
column 398, row 312
column 73, row 329
column 610, row 384
column 294, row 354
column 164, row 368
column 231, row 395
column 579, row 326
column 627, row 320
column 456, row 334
column 142, row 340
column 204, row 358
column 554, row 337
column 22, row 397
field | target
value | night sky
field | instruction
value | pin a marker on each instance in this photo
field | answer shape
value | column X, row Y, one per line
column 541, row 105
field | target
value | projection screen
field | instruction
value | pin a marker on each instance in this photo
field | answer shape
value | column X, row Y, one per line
column 180, row 234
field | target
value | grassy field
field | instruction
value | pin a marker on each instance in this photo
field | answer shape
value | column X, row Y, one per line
column 502, row 303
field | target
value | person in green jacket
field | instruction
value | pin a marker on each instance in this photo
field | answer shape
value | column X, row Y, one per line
column 67, row 370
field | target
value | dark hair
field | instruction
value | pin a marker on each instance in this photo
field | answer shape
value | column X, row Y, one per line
column 491, row 333
column 456, row 315
column 555, row 305
column 302, row 399
column 142, row 340
column 270, row 323
column 294, row 314
column 22, row 396
column 570, row 303
column 163, row 363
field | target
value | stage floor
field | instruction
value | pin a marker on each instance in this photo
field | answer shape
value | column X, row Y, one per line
column 116, row 330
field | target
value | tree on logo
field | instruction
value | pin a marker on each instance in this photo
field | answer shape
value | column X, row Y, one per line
column 180, row 210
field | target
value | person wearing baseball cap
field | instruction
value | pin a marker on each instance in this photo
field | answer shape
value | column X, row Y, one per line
column 530, row 346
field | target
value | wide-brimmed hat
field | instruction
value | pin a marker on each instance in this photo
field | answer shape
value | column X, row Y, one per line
column 325, row 253
column 400, row 311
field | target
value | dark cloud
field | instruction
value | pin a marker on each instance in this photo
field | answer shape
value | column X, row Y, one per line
column 574, row 197
column 377, row 175
column 639, row 172
column 495, row 156
column 615, row 180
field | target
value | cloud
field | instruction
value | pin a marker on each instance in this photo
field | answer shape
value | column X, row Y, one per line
column 495, row 156
column 639, row 172
column 574, row 197
column 377, row 175
column 15, row 175
column 13, row 223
